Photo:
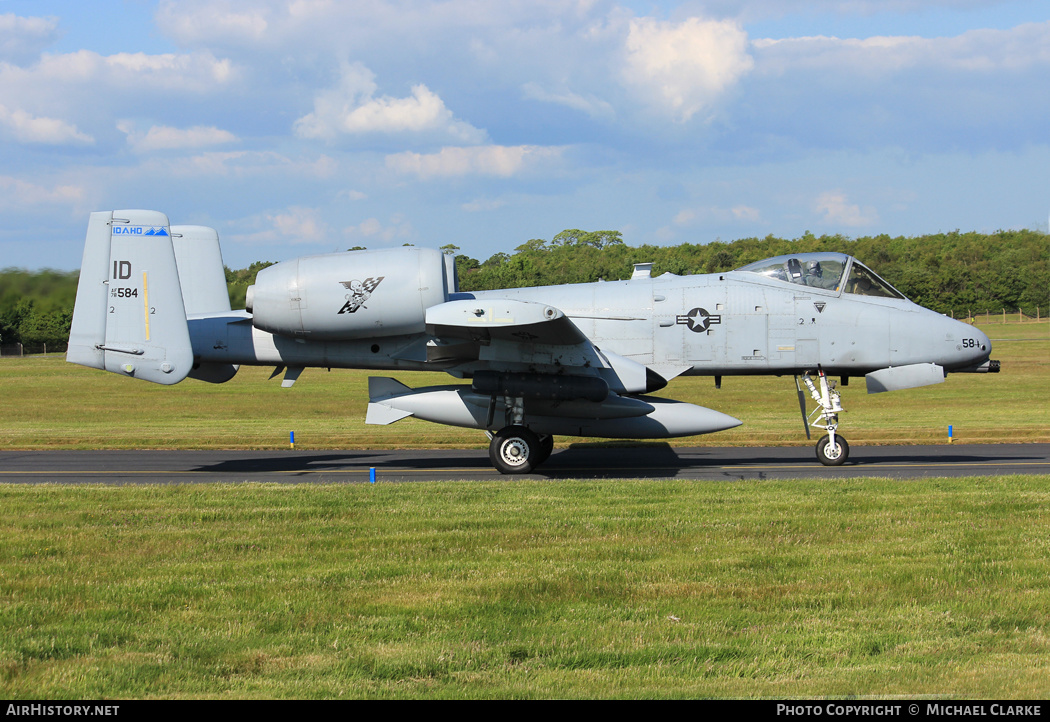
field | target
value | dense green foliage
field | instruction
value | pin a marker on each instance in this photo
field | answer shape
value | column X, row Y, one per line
column 948, row 272
column 36, row 307
column 237, row 282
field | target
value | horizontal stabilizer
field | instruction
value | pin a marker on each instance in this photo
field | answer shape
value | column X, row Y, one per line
column 896, row 378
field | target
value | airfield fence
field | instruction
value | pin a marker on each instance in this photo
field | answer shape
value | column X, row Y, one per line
column 29, row 349
column 1006, row 315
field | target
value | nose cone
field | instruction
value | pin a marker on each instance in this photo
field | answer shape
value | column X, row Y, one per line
column 920, row 335
column 971, row 345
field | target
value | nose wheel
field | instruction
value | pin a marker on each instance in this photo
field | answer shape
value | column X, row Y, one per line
column 832, row 450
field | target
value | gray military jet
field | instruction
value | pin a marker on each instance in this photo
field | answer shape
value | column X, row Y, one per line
column 575, row 360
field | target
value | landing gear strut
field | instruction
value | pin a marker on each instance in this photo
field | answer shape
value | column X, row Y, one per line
column 832, row 450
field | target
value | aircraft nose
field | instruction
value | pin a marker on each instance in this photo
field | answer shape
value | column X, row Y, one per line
column 972, row 345
column 983, row 342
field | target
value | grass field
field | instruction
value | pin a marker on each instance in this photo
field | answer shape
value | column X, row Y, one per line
column 49, row 403
column 528, row 589
column 521, row 588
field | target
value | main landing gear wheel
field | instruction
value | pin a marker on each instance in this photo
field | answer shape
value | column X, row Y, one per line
column 515, row 450
column 546, row 449
column 832, row 455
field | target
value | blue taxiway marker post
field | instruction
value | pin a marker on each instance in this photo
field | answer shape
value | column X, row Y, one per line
column 291, row 439
column 950, row 439
column 372, row 474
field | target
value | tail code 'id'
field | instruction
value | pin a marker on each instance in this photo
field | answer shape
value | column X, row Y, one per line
column 129, row 317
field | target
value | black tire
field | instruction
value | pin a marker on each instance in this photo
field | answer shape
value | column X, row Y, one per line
column 832, row 456
column 514, row 450
column 545, row 450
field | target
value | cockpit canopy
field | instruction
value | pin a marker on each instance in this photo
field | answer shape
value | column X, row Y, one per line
column 829, row 271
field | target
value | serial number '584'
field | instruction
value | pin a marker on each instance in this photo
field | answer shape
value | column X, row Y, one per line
column 124, row 292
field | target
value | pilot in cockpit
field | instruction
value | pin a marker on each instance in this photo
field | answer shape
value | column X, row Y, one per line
column 814, row 274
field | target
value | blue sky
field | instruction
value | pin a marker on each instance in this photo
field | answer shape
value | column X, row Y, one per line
column 309, row 126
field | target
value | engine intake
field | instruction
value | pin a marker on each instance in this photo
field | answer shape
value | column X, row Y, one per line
column 352, row 295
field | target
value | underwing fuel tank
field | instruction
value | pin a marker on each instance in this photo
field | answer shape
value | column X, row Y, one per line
column 618, row 417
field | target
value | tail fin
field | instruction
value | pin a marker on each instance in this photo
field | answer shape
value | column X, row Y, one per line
column 201, row 276
column 204, row 293
column 129, row 316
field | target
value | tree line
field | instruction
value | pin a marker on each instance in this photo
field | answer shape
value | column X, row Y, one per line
column 36, row 307
column 947, row 272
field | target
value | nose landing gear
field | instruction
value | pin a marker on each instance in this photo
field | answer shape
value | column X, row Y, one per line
column 832, row 450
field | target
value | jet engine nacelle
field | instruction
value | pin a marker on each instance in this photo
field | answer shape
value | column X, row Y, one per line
column 352, row 295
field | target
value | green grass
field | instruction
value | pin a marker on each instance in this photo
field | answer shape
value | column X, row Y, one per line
column 49, row 403
column 520, row 588
column 527, row 589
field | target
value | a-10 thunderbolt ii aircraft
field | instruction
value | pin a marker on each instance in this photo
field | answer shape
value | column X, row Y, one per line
column 575, row 360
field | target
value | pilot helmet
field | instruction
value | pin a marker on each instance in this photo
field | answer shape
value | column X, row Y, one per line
column 813, row 269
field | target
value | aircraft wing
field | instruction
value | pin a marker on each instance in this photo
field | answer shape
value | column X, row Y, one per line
column 503, row 320
column 508, row 334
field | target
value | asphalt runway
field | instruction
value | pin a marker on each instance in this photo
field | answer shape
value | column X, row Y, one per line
column 650, row 461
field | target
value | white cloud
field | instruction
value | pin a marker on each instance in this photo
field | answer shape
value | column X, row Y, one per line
column 213, row 19
column 21, row 39
column 169, row 71
column 295, row 225
column 837, row 210
column 691, row 217
column 746, row 213
column 982, row 50
column 374, row 229
column 982, row 88
column 246, row 164
column 684, row 68
column 490, row 160
column 17, row 193
column 160, row 137
column 85, row 89
column 352, row 109
column 28, row 128
column 300, row 225
column 589, row 104
column 684, row 217
column 483, row 204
